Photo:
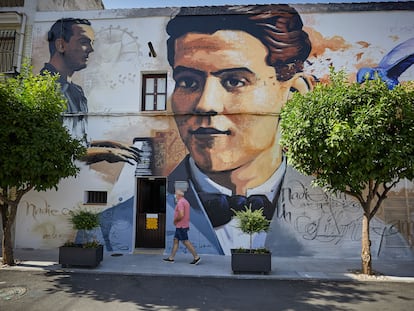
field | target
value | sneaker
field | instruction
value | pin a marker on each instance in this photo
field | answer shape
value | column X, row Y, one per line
column 168, row 260
column 196, row 261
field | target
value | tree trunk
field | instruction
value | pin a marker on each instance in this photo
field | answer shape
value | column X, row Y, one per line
column 7, row 248
column 8, row 216
column 366, row 247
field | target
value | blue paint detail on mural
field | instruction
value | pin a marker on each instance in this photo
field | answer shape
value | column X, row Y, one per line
column 115, row 230
column 392, row 65
column 116, row 225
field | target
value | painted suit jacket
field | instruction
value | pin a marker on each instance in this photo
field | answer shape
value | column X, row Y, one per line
column 307, row 222
column 77, row 104
column 202, row 233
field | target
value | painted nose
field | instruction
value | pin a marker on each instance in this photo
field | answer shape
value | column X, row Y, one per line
column 90, row 48
column 211, row 99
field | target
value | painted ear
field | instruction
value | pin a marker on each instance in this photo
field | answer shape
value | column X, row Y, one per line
column 302, row 83
column 60, row 45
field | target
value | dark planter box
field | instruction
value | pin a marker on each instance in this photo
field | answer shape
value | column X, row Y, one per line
column 78, row 256
column 245, row 262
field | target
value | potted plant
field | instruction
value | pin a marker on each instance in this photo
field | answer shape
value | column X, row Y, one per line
column 89, row 252
column 252, row 260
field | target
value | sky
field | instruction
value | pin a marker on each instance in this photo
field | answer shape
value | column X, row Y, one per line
column 121, row 4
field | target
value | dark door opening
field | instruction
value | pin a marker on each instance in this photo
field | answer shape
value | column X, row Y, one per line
column 150, row 219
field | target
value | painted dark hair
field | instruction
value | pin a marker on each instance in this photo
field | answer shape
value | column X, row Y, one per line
column 278, row 27
column 62, row 28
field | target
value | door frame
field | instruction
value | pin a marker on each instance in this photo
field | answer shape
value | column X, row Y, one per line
column 150, row 219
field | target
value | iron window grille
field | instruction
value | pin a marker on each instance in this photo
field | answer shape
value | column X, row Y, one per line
column 96, row 197
column 8, row 56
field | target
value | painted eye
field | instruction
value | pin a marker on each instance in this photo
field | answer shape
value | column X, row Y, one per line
column 233, row 83
column 186, row 83
column 85, row 42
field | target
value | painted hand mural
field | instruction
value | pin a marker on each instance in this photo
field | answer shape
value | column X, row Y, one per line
column 389, row 69
column 112, row 151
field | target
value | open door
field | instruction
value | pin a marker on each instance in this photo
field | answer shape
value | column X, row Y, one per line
column 151, row 204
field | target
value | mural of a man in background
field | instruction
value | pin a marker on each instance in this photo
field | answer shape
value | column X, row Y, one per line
column 233, row 74
column 70, row 43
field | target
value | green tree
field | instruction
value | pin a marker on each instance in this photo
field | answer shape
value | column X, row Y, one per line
column 354, row 138
column 251, row 222
column 36, row 150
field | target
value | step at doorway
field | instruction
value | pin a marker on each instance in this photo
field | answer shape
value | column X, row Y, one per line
column 149, row 251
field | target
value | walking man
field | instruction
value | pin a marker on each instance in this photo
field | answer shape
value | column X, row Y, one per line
column 182, row 224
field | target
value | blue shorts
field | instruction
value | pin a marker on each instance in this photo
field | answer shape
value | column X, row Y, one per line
column 181, row 234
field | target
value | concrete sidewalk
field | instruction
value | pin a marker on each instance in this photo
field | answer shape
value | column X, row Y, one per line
column 149, row 262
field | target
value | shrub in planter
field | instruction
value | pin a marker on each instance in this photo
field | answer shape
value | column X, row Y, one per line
column 251, row 260
column 84, row 221
column 87, row 253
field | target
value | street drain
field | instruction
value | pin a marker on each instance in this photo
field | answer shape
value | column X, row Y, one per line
column 10, row 293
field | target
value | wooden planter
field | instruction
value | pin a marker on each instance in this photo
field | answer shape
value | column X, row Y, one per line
column 246, row 262
column 78, row 256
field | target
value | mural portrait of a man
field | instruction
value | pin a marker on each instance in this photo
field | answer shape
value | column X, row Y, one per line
column 70, row 43
column 233, row 74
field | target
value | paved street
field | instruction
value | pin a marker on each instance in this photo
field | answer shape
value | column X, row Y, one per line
column 61, row 290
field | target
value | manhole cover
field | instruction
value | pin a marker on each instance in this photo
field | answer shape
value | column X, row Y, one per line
column 10, row 293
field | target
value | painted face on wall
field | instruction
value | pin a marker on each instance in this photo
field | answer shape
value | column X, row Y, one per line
column 80, row 45
column 226, row 99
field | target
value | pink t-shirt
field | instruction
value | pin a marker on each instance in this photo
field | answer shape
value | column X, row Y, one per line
column 183, row 205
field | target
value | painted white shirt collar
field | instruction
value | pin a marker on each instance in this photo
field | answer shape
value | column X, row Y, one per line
column 229, row 235
column 205, row 184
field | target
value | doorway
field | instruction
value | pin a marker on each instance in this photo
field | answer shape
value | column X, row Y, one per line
column 150, row 217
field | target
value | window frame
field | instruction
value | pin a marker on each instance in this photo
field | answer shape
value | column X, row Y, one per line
column 94, row 197
column 8, row 49
column 11, row 41
column 155, row 93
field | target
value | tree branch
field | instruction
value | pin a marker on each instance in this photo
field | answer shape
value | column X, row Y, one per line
column 19, row 194
column 381, row 196
column 357, row 196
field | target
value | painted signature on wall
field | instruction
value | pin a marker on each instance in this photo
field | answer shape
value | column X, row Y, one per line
column 325, row 217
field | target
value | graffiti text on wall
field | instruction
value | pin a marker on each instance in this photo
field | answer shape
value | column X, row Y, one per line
column 44, row 210
column 316, row 215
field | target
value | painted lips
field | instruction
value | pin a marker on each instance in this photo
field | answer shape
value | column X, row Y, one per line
column 209, row 131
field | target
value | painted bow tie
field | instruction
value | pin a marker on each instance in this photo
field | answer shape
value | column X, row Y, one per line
column 219, row 206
